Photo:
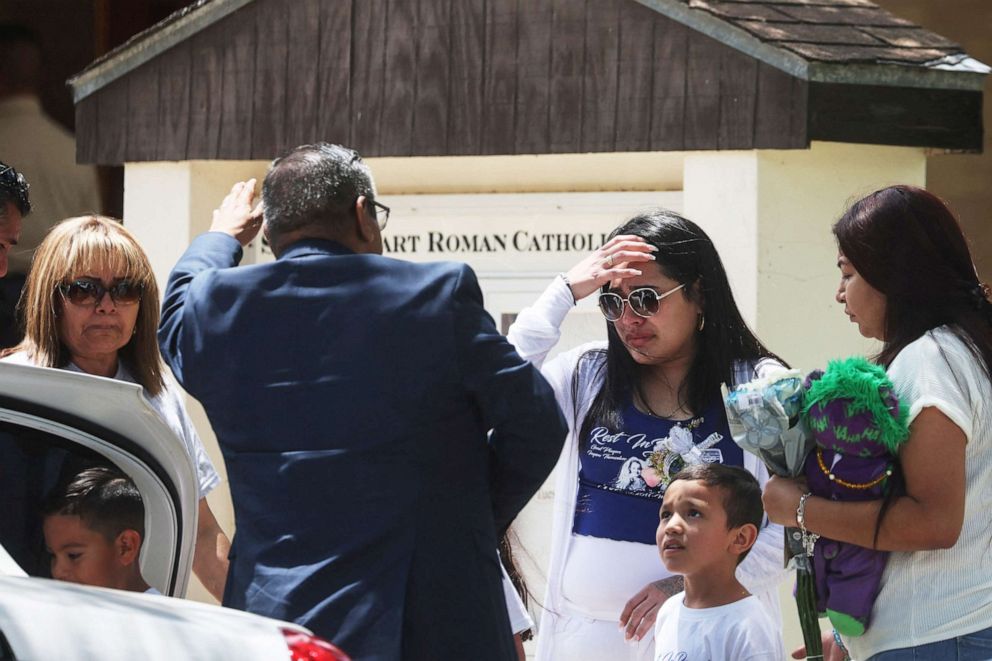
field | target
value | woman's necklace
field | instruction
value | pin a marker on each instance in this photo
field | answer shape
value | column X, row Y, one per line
column 668, row 416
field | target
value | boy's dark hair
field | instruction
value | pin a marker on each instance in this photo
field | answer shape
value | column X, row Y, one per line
column 741, row 493
column 105, row 499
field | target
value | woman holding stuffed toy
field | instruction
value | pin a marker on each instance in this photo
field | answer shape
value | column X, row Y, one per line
column 907, row 279
column 649, row 397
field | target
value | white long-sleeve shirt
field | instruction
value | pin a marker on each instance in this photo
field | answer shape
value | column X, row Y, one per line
column 534, row 334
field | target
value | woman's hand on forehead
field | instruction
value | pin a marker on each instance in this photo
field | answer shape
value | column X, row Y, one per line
column 620, row 258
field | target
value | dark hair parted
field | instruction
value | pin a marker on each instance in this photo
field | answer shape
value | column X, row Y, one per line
column 104, row 498
column 314, row 184
column 687, row 255
column 14, row 190
column 15, row 33
column 907, row 244
column 741, row 493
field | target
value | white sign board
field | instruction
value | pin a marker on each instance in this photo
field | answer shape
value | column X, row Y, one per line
column 511, row 233
column 515, row 242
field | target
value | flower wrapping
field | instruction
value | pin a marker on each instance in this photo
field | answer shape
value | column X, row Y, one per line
column 764, row 419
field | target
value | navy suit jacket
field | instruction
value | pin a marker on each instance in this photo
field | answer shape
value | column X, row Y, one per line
column 351, row 396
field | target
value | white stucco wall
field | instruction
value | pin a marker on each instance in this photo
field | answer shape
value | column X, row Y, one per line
column 167, row 204
column 770, row 213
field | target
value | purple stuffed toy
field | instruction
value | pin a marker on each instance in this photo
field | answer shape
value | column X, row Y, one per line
column 858, row 425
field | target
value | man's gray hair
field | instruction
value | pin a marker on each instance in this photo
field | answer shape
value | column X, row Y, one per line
column 314, row 185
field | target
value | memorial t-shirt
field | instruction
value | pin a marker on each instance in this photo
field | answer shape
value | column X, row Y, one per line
column 618, row 496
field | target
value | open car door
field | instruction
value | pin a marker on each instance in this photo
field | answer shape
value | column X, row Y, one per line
column 54, row 420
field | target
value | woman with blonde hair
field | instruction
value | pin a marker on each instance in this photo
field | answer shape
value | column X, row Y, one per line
column 91, row 305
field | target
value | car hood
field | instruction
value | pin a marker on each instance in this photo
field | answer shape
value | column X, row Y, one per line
column 46, row 619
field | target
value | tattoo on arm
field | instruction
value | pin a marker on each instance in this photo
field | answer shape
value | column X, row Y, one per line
column 671, row 585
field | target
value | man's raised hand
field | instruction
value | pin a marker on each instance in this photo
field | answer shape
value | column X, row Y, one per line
column 236, row 215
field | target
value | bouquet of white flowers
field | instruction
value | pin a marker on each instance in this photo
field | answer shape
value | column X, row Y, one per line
column 764, row 419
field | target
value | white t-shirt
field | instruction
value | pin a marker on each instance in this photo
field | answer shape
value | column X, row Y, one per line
column 741, row 631
column 170, row 407
column 929, row 596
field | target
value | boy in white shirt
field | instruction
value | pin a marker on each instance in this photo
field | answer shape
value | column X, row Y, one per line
column 709, row 520
column 94, row 527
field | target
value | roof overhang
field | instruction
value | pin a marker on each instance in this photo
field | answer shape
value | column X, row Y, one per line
column 150, row 43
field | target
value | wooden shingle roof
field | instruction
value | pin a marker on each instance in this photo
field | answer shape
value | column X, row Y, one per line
column 853, row 41
column 835, row 31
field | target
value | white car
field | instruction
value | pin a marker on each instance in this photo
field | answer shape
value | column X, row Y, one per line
column 49, row 418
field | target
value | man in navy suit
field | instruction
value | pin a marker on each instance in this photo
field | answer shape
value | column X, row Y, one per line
column 352, row 396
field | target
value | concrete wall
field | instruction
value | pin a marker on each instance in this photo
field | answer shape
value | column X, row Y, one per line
column 770, row 213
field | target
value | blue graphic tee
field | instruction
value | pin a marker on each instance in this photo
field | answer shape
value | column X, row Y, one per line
column 616, row 499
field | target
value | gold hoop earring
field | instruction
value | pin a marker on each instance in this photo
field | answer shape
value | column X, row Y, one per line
column 702, row 322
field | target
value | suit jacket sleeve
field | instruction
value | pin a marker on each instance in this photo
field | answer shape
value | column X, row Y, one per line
column 179, row 324
column 515, row 401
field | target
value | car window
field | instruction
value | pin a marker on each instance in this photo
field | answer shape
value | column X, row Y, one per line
column 32, row 464
column 41, row 450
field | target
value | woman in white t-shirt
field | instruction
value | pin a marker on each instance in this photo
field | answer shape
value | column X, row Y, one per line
column 91, row 305
column 907, row 279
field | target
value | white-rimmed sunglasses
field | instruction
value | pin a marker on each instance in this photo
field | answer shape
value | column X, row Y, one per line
column 644, row 302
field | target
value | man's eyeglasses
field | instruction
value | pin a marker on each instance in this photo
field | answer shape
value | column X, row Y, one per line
column 90, row 292
column 644, row 302
column 380, row 212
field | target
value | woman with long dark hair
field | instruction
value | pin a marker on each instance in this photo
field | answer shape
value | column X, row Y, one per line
column 648, row 397
column 907, row 279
